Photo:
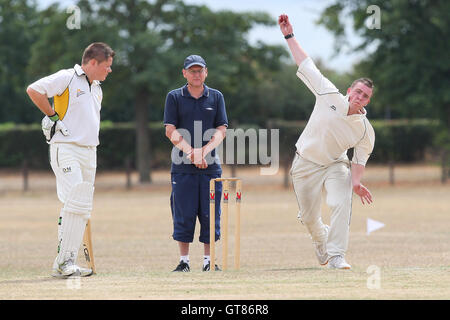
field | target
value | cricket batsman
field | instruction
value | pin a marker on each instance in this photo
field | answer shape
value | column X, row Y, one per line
column 71, row 128
column 337, row 123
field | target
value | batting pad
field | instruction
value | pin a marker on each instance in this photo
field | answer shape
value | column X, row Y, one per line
column 60, row 219
column 77, row 211
column 79, row 200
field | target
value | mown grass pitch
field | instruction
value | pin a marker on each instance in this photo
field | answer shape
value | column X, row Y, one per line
column 407, row 259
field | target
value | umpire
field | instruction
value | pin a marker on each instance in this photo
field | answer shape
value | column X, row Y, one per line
column 195, row 120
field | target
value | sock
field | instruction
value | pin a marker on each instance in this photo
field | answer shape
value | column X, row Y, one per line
column 185, row 259
column 206, row 260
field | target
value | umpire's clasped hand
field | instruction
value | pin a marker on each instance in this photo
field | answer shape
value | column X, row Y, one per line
column 197, row 158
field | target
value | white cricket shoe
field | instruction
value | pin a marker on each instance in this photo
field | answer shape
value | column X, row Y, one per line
column 338, row 262
column 69, row 269
column 321, row 248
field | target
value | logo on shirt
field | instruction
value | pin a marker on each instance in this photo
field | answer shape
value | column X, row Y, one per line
column 80, row 92
column 67, row 170
column 210, row 109
column 333, row 107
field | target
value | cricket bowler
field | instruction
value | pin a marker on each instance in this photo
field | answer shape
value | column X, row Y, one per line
column 337, row 123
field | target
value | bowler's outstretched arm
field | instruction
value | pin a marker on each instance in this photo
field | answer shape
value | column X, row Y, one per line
column 287, row 29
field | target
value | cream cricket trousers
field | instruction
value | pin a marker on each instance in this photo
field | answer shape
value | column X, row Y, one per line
column 310, row 180
column 72, row 164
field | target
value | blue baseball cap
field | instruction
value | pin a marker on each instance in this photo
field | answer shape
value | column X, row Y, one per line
column 194, row 60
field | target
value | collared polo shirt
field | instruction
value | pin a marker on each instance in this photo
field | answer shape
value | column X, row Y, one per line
column 196, row 120
column 77, row 103
column 330, row 132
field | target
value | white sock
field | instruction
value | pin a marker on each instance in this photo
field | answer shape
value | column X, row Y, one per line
column 206, row 260
column 185, row 259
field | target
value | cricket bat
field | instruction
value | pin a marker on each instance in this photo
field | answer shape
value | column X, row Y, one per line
column 87, row 247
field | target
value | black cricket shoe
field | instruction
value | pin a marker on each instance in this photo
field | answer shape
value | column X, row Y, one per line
column 208, row 266
column 182, row 267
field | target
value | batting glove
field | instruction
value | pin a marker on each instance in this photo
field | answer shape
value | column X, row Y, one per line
column 52, row 124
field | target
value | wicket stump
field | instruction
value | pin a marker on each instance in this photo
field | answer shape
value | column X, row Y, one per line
column 212, row 222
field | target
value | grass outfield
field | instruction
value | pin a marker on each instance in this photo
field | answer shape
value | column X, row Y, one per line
column 134, row 253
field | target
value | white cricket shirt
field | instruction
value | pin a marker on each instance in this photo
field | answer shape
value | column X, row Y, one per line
column 77, row 103
column 330, row 132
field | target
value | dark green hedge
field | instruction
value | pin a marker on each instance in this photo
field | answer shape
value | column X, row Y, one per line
column 400, row 140
column 117, row 143
column 396, row 140
column 403, row 140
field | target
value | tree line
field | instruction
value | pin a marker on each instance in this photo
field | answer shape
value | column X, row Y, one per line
column 151, row 39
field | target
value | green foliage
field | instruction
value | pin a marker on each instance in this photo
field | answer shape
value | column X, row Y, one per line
column 19, row 27
column 20, row 143
column 399, row 140
column 117, row 143
column 151, row 40
column 236, row 68
column 407, row 58
column 403, row 140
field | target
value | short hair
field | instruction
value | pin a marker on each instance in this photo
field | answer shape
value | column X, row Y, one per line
column 99, row 51
column 366, row 81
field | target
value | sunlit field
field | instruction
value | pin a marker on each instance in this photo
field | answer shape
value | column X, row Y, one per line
column 409, row 258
